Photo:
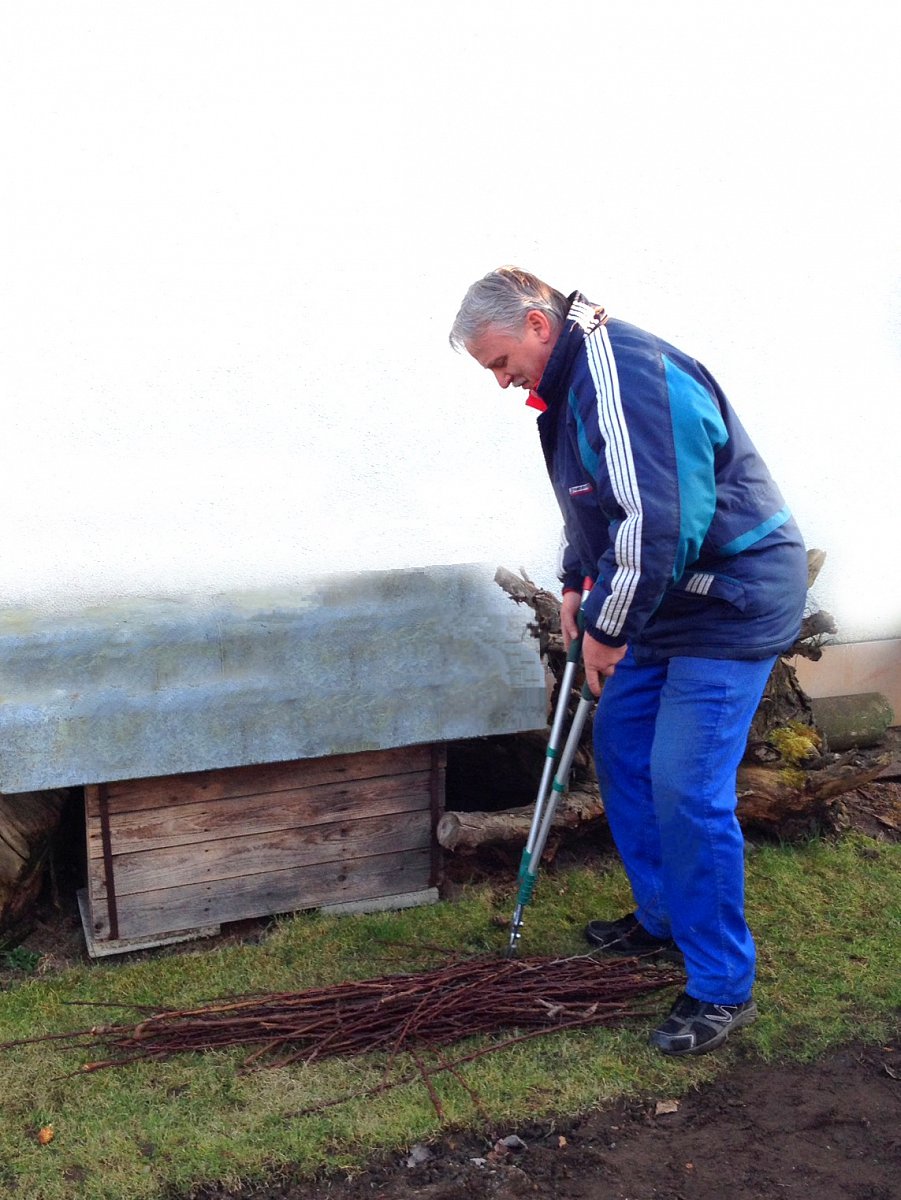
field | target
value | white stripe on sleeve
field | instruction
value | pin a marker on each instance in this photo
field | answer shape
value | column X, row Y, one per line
column 621, row 469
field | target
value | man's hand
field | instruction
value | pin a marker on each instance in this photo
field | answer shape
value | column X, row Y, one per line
column 599, row 660
column 569, row 617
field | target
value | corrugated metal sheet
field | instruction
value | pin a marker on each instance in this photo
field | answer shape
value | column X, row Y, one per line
column 139, row 688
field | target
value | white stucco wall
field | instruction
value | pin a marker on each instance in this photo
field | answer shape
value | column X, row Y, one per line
column 235, row 236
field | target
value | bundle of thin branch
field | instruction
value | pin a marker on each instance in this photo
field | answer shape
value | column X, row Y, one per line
column 392, row 1014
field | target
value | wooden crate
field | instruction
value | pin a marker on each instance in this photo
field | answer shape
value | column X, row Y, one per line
column 174, row 856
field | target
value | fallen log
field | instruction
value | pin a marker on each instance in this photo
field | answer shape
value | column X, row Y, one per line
column 773, row 800
column 468, row 831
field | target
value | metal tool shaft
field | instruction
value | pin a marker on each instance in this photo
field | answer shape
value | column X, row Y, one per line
column 544, row 817
column 556, row 769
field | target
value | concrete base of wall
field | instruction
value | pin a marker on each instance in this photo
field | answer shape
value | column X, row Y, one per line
column 853, row 668
column 383, row 903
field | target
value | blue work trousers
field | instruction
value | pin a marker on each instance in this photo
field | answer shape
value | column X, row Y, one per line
column 668, row 739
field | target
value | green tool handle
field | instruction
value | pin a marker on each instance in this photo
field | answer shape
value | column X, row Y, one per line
column 552, row 754
column 550, row 788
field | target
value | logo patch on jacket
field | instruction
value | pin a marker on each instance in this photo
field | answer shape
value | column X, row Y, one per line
column 581, row 489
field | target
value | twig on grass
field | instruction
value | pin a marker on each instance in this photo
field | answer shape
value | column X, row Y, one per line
column 394, row 1014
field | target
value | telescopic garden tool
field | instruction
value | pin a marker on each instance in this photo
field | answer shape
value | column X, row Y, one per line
column 553, row 782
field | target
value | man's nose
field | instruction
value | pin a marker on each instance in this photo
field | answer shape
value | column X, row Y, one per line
column 504, row 378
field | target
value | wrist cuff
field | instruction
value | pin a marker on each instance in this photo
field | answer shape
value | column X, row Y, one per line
column 604, row 639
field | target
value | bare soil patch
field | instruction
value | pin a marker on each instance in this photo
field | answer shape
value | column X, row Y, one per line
column 828, row 1129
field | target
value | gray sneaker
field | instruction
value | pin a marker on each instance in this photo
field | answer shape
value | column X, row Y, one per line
column 696, row 1026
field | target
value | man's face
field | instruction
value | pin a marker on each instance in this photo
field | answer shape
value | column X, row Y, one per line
column 517, row 359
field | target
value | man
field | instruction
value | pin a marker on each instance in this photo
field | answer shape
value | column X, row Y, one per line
column 699, row 580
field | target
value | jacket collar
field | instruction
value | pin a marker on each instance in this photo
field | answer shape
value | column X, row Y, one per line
column 582, row 319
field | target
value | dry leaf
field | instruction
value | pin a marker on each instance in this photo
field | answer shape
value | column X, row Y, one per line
column 45, row 1134
column 561, row 1141
column 666, row 1106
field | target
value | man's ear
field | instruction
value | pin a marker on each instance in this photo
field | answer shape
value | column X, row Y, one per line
column 539, row 324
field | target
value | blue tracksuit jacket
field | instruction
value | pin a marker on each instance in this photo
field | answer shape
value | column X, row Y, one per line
column 666, row 503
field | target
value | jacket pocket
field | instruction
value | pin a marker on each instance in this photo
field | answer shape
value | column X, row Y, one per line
column 707, row 585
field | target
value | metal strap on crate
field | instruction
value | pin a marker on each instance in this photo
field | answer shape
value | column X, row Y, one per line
column 106, row 843
column 436, row 803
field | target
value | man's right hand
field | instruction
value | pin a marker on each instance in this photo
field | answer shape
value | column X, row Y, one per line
column 569, row 617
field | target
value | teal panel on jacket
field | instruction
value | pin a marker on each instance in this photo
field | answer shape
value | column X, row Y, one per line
column 590, row 460
column 757, row 534
column 698, row 432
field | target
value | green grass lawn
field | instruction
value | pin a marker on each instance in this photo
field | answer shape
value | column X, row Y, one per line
column 826, row 915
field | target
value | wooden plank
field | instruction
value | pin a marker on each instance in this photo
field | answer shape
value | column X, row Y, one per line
column 186, row 824
column 209, row 903
column 98, row 949
column 197, row 787
column 234, row 857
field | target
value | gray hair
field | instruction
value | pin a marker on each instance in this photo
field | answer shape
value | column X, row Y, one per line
column 502, row 299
